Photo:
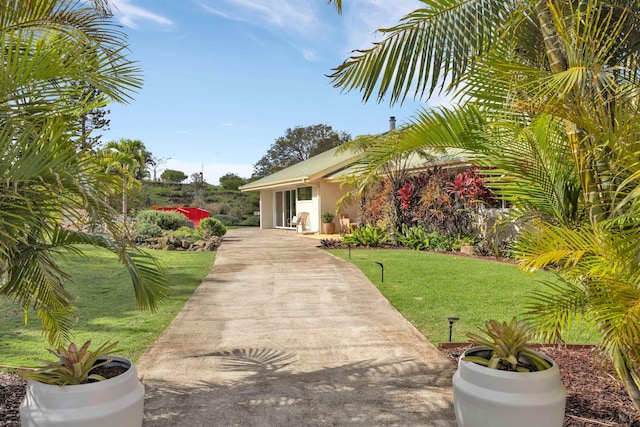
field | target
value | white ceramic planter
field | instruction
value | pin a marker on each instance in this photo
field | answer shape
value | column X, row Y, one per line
column 486, row 397
column 115, row 402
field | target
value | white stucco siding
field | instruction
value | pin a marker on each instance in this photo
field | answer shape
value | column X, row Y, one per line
column 266, row 209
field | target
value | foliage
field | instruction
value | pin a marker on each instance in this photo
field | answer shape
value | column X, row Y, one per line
column 51, row 186
column 212, row 227
column 366, row 235
column 330, row 243
column 413, row 237
column 250, row 221
column 166, row 220
column 549, row 110
column 145, row 230
column 186, row 233
column 327, row 217
column 126, row 159
column 228, row 220
column 74, row 365
column 298, row 144
column 507, row 342
column 231, row 181
column 439, row 200
column 173, row 176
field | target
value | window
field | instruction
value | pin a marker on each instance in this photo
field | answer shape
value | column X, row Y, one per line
column 304, row 193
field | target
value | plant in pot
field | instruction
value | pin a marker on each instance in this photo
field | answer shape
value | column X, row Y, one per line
column 502, row 383
column 83, row 388
column 328, row 227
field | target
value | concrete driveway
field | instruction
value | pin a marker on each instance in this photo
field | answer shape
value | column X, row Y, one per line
column 282, row 333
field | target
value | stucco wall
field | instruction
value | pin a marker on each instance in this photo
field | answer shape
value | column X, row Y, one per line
column 266, row 209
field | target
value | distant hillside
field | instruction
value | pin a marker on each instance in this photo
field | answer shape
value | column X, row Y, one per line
column 231, row 206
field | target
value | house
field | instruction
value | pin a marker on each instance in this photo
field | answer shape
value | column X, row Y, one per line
column 313, row 187
column 307, row 187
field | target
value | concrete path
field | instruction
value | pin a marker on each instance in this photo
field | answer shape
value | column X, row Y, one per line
column 284, row 334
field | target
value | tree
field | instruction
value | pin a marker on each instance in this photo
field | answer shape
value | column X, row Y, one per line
column 49, row 189
column 127, row 159
column 231, row 181
column 171, row 175
column 549, row 96
column 296, row 145
column 92, row 120
column 154, row 163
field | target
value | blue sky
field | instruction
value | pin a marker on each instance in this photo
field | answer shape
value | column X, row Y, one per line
column 223, row 79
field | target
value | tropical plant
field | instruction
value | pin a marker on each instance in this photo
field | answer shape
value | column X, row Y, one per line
column 366, row 235
column 548, row 96
column 127, row 159
column 507, row 342
column 49, row 190
column 327, row 217
column 413, row 237
column 74, row 365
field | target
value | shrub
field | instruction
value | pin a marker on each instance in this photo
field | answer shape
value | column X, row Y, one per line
column 440, row 242
column 212, row 227
column 145, row 230
column 228, row 220
column 366, row 235
column 166, row 220
column 413, row 237
column 186, row 233
column 250, row 221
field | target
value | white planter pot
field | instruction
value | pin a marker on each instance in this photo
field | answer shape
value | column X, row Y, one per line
column 485, row 397
column 114, row 402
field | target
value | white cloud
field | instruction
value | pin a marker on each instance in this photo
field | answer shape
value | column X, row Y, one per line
column 363, row 17
column 298, row 16
column 211, row 171
column 307, row 53
column 130, row 15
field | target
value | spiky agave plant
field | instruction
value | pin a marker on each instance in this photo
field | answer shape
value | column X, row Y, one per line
column 74, row 365
column 507, row 342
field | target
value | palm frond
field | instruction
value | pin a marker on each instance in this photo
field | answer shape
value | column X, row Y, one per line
column 429, row 47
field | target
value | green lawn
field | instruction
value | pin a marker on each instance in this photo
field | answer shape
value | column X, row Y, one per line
column 428, row 287
column 106, row 306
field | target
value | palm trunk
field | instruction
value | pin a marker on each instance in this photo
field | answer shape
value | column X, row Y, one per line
column 125, row 208
column 558, row 63
column 579, row 144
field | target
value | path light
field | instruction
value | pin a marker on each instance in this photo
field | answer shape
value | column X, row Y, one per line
column 349, row 251
column 451, row 320
column 382, row 267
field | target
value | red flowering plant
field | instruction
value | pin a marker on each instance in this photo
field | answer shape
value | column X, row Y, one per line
column 470, row 187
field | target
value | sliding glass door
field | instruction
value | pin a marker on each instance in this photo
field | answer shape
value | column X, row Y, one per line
column 285, row 208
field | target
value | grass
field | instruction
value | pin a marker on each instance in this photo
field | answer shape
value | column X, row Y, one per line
column 429, row 287
column 105, row 306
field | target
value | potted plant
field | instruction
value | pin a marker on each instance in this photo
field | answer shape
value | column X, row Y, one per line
column 502, row 383
column 328, row 227
column 83, row 388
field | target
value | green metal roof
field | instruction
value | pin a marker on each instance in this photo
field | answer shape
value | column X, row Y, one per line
column 309, row 170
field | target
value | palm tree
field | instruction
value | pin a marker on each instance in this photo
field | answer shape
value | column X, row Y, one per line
column 127, row 159
column 548, row 93
column 48, row 189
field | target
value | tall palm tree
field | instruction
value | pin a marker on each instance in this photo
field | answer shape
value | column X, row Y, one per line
column 126, row 158
column 548, row 93
column 49, row 190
